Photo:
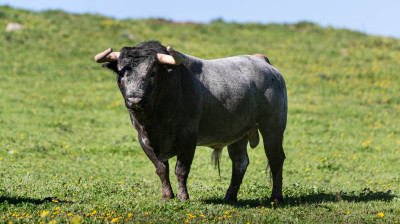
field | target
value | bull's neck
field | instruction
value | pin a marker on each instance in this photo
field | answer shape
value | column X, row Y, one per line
column 165, row 99
column 191, row 63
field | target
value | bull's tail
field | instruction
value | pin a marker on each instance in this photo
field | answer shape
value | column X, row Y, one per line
column 268, row 171
column 216, row 157
column 262, row 57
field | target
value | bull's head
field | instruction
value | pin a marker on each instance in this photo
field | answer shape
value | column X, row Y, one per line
column 138, row 69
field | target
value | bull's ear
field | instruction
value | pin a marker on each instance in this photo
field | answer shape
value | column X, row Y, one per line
column 110, row 65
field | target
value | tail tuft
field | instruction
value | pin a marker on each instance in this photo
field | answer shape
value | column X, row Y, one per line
column 268, row 171
column 262, row 57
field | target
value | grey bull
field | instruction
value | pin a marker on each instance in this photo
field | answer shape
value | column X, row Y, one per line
column 177, row 102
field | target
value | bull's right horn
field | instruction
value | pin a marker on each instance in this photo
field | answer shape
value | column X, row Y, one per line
column 172, row 59
column 107, row 56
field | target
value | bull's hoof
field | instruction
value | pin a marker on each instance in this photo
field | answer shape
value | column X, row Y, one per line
column 228, row 198
column 277, row 199
column 167, row 194
column 183, row 197
column 167, row 197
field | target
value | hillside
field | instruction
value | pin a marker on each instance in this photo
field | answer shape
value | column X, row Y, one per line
column 62, row 119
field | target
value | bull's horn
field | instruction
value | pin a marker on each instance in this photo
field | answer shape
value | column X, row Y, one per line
column 172, row 59
column 107, row 56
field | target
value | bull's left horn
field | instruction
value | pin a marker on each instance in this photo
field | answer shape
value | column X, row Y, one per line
column 172, row 59
column 107, row 56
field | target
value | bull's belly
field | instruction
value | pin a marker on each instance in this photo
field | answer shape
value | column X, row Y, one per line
column 222, row 137
column 223, row 126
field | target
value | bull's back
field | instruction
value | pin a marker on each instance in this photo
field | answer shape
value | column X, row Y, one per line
column 235, row 92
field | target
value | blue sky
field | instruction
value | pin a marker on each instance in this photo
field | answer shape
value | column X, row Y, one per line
column 377, row 17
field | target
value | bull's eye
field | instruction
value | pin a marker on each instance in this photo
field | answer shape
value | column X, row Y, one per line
column 119, row 79
column 152, row 74
column 123, row 70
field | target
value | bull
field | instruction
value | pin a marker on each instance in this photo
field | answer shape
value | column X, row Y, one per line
column 177, row 102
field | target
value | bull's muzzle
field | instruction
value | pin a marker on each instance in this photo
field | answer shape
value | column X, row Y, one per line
column 134, row 102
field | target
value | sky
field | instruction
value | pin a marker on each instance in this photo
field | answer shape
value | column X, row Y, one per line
column 375, row 17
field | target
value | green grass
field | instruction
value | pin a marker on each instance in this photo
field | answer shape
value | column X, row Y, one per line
column 68, row 152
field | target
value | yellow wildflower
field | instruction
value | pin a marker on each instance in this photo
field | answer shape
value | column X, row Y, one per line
column 44, row 213
column 367, row 143
column 76, row 220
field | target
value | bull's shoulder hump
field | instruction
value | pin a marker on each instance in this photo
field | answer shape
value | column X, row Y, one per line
column 244, row 62
column 233, row 59
column 241, row 65
column 239, row 59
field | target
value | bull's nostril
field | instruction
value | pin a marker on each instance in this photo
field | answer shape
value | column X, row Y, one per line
column 133, row 101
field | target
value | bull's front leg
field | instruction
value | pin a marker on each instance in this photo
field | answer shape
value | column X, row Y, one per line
column 185, row 156
column 162, row 170
column 182, row 170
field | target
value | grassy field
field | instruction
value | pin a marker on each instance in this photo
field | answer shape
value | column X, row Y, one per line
column 68, row 153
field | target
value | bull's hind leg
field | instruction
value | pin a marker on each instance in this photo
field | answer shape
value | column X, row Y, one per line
column 238, row 154
column 273, row 137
